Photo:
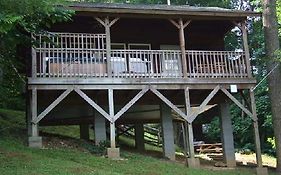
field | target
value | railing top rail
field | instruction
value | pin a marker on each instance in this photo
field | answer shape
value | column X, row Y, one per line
column 69, row 34
column 213, row 51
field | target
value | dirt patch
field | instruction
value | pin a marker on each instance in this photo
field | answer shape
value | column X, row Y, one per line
column 18, row 156
column 55, row 142
column 80, row 170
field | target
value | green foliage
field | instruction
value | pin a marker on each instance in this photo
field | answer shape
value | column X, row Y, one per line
column 214, row 130
column 272, row 142
column 18, row 19
column 97, row 149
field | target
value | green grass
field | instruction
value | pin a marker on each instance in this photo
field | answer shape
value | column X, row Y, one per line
column 16, row 158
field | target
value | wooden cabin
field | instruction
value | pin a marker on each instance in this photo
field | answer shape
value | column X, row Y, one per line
column 135, row 64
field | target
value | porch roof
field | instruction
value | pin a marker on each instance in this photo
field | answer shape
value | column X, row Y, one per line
column 161, row 10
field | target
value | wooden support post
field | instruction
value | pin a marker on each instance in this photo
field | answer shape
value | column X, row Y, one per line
column 227, row 135
column 168, row 144
column 191, row 161
column 256, row 130
column 260, row 170
column 189, row 125
column 112, row 135
column 107, row 24
column 112, row 152
column 108, row 47
column 111, row 115
column 182, row 47
column 34, row 140
column 33, row 62
column 246, row 48
column 34, row 126
column 28, row 112
column 184, row 135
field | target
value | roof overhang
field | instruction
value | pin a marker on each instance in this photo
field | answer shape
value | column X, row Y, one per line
column 162, row 11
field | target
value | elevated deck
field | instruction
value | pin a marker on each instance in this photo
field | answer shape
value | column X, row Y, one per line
column 81, row 59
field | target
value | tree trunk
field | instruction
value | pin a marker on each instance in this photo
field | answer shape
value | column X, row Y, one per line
column 272, row 45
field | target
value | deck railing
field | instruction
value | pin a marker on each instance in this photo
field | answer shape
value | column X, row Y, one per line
column 212, row 64
column 146, row 63
column 84, row 55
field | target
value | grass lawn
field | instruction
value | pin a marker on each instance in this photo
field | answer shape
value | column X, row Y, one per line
column 16, row 158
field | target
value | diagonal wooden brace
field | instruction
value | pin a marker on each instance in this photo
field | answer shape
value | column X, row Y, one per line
column 239, row 104
column 169, row 103
column 93, row 104
column 130, row 103
column 52, row 106
column 204, row 104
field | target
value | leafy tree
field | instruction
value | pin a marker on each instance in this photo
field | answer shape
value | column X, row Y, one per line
column 272, row 45
column 18, row 19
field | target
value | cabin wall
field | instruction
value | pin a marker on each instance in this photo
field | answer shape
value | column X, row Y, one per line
column 200, row 35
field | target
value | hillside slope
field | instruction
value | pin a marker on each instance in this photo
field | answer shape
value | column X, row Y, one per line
column 17, row 158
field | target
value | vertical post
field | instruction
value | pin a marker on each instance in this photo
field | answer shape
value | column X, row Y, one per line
column 256, row 131
column 112, row 152
column 227, row 135
column 191, row 161
column 182, row 47
column 246, row 49
column 189, row 125
column 260, row 170
column 33, row 63
column 34, row 126
column 184, row 136
column 108, row 46
column 84, row 131
column 100, row 128
column 28, row 112
column 34, row 140
column 111, row 113
column 167, row 132
column 139, row 136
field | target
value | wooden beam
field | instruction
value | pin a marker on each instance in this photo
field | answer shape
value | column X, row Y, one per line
column 52, row 106
column 34, row 62
column 182, row 47
column 188, row 126
column 204, row 103
column 169, row 103
column 175, row 23
column 238, row 104
column 256, row 130
column 34, row 126
column 184, row 135
column 190, row 141
column 92, row 103
column 111, row 115
column 108, row 46
column 187, row 101
column 186, row 24
column 113, row 21
column 130, row 103
column 100, row 21
column 246, row 49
